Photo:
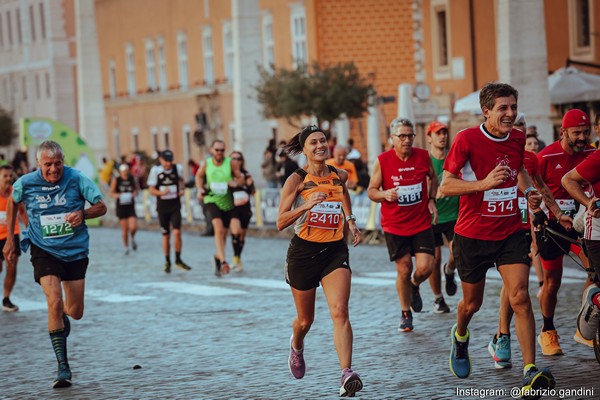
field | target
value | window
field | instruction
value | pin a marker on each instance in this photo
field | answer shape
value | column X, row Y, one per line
column 155, row 138
column 440, row 46
column 18, row 20
column 207, row 48
column 268, row 43
column 37, row 87
column 442, row 49
column 112, row 79
column 162, row 65
column 182, row 56
column 582, row 41
column 228, row 51
column 48, row 87
column 166, row 136
column 130, row 59
column 298, row 25
column 32, row 22
column 9, row 26
column 42, row 20
column 150, row 65
column 24, row 87
column 135, row 139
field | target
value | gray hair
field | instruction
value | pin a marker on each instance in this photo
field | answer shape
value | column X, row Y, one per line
column 398, row 122
column 51, row 148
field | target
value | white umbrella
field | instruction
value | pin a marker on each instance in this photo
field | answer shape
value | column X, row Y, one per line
column 571, row 85
column 469, row 104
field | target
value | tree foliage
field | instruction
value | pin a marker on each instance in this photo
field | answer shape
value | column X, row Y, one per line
column 321, row 91
column 8, row 129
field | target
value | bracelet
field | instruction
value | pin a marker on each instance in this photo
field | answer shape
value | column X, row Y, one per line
column 528, row 190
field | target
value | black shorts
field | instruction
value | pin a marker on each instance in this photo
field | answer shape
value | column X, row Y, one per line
column 45, row 264
column 243, row 213
column 126, row 211
column 528, row 237
column 17, row 247
column 473, row 257
column 169, row 219
column 398, row 246
column 446, row 229
column 592, row 251
column 552, row 247
column 309, row 262
column 212, row 211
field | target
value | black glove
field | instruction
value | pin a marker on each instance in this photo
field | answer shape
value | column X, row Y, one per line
column 539, row 218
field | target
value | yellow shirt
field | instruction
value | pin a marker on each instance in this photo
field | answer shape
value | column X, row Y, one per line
column 347, row 166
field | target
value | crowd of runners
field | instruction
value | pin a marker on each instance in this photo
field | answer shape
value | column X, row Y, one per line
column 491, row 201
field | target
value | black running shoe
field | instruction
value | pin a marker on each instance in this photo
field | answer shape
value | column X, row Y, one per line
column 63, row 376
column 416, row 303
column 8, row 306
column 450, row 282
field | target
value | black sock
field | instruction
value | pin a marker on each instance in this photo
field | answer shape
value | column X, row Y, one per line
column 242, row 243
column 168, row 259
column 177, row 256
column 235, row 241
column 548, row 324
column 59, row 344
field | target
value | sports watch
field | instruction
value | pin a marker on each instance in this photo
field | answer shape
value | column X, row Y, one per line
column 351, row 217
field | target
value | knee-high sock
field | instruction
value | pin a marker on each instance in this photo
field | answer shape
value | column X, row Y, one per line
column 235, row 241
column 59, row 344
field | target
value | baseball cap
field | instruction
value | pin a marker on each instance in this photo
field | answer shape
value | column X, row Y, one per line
column 167, row 155
column 436, row 126
column 575, row 117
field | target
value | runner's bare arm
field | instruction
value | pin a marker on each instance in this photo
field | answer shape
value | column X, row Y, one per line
column 200, row 174
column 347, row 207
column 23, row 214
column 452, row 185
column 374, row 191
column 433, row 188
column 9, row 246
column 548, row 199
column 287, row 216
column 112, row 192
column 572, row 182
column 534, row 199
column 76, row 218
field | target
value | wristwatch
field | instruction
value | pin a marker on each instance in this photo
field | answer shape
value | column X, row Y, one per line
column 351, row 217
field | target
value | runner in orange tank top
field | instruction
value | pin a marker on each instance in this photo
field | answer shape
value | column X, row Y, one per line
column 316, row 200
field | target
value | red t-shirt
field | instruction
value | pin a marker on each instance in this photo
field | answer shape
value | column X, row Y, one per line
column 493, row 214
column 554, row 164
column 589, row 169
column 530, row 162
column 410, row 214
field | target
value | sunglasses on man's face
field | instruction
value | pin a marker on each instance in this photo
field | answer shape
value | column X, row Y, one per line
column 219, row 150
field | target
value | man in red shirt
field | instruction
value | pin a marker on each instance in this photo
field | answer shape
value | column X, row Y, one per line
column 400, row 183
column 554, row 162
column 485, row 167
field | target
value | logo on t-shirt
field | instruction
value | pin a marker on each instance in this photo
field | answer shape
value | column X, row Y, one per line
column 558, row 166
column 505, row 162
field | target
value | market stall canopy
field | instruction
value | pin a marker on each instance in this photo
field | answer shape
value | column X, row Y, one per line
column 571, row 85
column 468, row 104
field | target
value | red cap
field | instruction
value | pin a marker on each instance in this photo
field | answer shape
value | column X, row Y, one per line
column 436, row 126
column 574, row 118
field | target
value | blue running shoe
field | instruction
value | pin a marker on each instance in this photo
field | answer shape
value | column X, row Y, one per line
column 460, row 362
column 63, row 376
column 535, row 381
column 500, row 352
column 351, row 383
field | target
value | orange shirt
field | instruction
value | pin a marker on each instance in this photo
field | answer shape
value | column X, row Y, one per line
column 3, row 230
column 347, row 166
column 325, row 221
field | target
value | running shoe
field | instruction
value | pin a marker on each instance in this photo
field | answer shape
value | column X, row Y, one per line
column 216, row 266
column 500, row 352
column 133, row 245
column 225, row 267
column 63, row 376
column 535, row 381
column 351, row 383
column 167, row 267
column 296, row 361
column 440, row 306
column 238, row 265
column 579, row 339
column 181, row 265
column 450, row 282
column 67, row 324
column 416, row 303
column 460, row 362
column 589, row 314
column 549, row 343
column 406, row 323
column 8, row 306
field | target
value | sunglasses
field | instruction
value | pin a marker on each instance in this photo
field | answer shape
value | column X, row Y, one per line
column 236, row 158
column 219, row 150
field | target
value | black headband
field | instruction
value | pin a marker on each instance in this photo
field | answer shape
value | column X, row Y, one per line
column 304, row 133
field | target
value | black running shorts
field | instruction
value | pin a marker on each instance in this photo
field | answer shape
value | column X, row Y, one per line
column 243, row 213
column 473, row 257
column 446, row 229
column 46, row 264
column 212, row 211
column 126, row 211
column 17, row 247
column 399, row 246
column 168, row 219
column 309, row 262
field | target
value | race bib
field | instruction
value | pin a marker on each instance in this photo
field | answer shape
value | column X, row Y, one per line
column 499, row 202
column 55, row 225
column 409, row 195
column 2, row 217
column 219, row 188
column 240, row 198
column 125, row 198
column 523, row 209
column 172, row 192
column 325, row 215
column 567, row 206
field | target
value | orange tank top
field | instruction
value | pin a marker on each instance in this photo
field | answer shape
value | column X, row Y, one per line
column 3, row 228
column 325, row 221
